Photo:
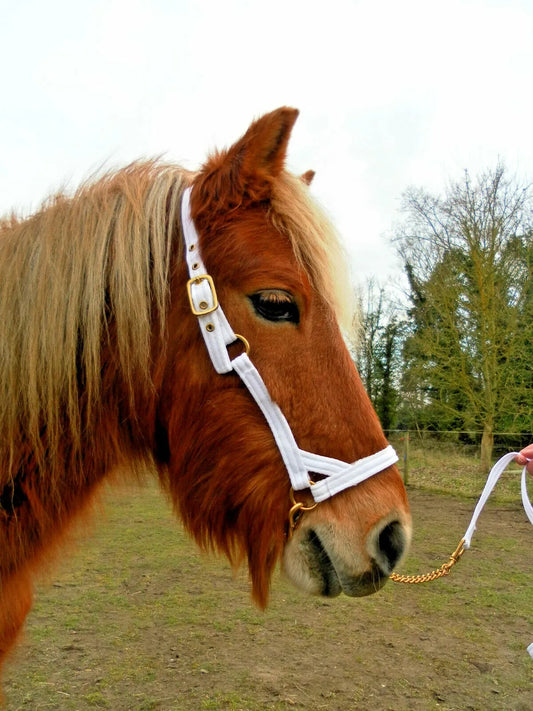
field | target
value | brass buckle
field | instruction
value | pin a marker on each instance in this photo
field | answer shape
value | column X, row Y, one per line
column 208, row 309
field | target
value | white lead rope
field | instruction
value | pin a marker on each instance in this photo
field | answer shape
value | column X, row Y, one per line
column 218, row 335
column 492, row 479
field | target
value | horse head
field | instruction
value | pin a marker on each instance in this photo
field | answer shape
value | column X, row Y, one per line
column 275, row 262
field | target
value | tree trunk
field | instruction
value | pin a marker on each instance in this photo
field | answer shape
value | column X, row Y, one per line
column 487, row 443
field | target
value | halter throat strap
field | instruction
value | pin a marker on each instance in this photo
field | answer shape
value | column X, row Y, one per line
column 218, row 335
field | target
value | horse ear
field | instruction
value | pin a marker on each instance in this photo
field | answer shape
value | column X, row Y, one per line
column 308, row 176
column 263, row 148
column 244, row 173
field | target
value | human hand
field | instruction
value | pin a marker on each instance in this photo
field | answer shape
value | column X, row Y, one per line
column 525, row 458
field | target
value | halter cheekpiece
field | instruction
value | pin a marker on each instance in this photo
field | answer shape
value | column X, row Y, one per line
column 218, row 335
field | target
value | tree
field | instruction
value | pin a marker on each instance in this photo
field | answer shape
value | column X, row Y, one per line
column 378, row 353
column 387, row 367
column 467, row 257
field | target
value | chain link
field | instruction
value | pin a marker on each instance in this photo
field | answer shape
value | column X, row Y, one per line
column 434, row 574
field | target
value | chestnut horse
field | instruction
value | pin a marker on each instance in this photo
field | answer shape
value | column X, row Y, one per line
column 103, row 368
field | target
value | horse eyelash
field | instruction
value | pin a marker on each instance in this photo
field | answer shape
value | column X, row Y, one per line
column 270, row 304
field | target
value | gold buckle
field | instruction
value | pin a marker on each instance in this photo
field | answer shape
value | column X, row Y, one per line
column 208, row 309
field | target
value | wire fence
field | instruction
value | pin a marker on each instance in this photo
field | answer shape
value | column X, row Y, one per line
column 468, row 441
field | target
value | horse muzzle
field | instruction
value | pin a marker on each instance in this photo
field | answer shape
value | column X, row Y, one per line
column 321, row 561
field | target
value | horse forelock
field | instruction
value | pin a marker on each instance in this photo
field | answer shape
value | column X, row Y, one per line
column 315, row 243
column 82, row 271
column 293, row 212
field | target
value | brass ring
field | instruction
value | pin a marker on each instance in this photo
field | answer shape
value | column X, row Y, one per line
column 244, row 342
column 295, row 513
column 300, row 506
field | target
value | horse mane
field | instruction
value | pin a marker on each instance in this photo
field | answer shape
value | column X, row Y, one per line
column 81, row 268
column 92, row 269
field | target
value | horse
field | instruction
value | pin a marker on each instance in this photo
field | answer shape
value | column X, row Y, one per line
column 104, row 368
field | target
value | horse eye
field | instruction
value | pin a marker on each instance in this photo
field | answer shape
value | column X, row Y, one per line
column 275, row 305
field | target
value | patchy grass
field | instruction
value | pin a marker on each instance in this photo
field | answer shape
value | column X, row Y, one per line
column 138, row 619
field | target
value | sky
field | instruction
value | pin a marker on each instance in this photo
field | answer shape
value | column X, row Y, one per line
column 391, row 95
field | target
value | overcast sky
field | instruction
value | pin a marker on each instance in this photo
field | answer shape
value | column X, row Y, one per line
column 391, row 94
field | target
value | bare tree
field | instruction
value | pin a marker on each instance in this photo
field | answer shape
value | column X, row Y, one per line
column 378, row 351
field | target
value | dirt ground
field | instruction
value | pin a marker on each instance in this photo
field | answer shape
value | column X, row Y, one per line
column 131, row 624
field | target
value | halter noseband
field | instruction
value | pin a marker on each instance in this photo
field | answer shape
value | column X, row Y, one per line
column 218, row 335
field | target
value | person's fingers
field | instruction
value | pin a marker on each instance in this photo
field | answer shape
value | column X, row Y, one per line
column 527, row 451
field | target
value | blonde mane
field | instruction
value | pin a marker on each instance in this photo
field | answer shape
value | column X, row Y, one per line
column 98, row 262
column 314, row 241
column 78, row 268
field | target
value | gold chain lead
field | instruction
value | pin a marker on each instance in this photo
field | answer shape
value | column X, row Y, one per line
column 435, row 574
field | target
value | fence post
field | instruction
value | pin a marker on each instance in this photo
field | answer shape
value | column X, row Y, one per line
column 406, row 458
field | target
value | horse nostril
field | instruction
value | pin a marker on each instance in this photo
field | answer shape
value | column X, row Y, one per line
column 391, row 545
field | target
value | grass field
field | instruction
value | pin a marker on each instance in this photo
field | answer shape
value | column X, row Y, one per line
column 135, row 618
column 445, row 468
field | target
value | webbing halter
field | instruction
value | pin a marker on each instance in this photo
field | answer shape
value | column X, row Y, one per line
column 218, row 335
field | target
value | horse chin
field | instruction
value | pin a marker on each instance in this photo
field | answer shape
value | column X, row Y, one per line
column 311, row 566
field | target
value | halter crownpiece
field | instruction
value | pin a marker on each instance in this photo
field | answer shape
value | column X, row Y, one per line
column 218, row 335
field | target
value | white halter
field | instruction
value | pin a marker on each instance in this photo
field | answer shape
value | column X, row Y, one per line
column 218, row 335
